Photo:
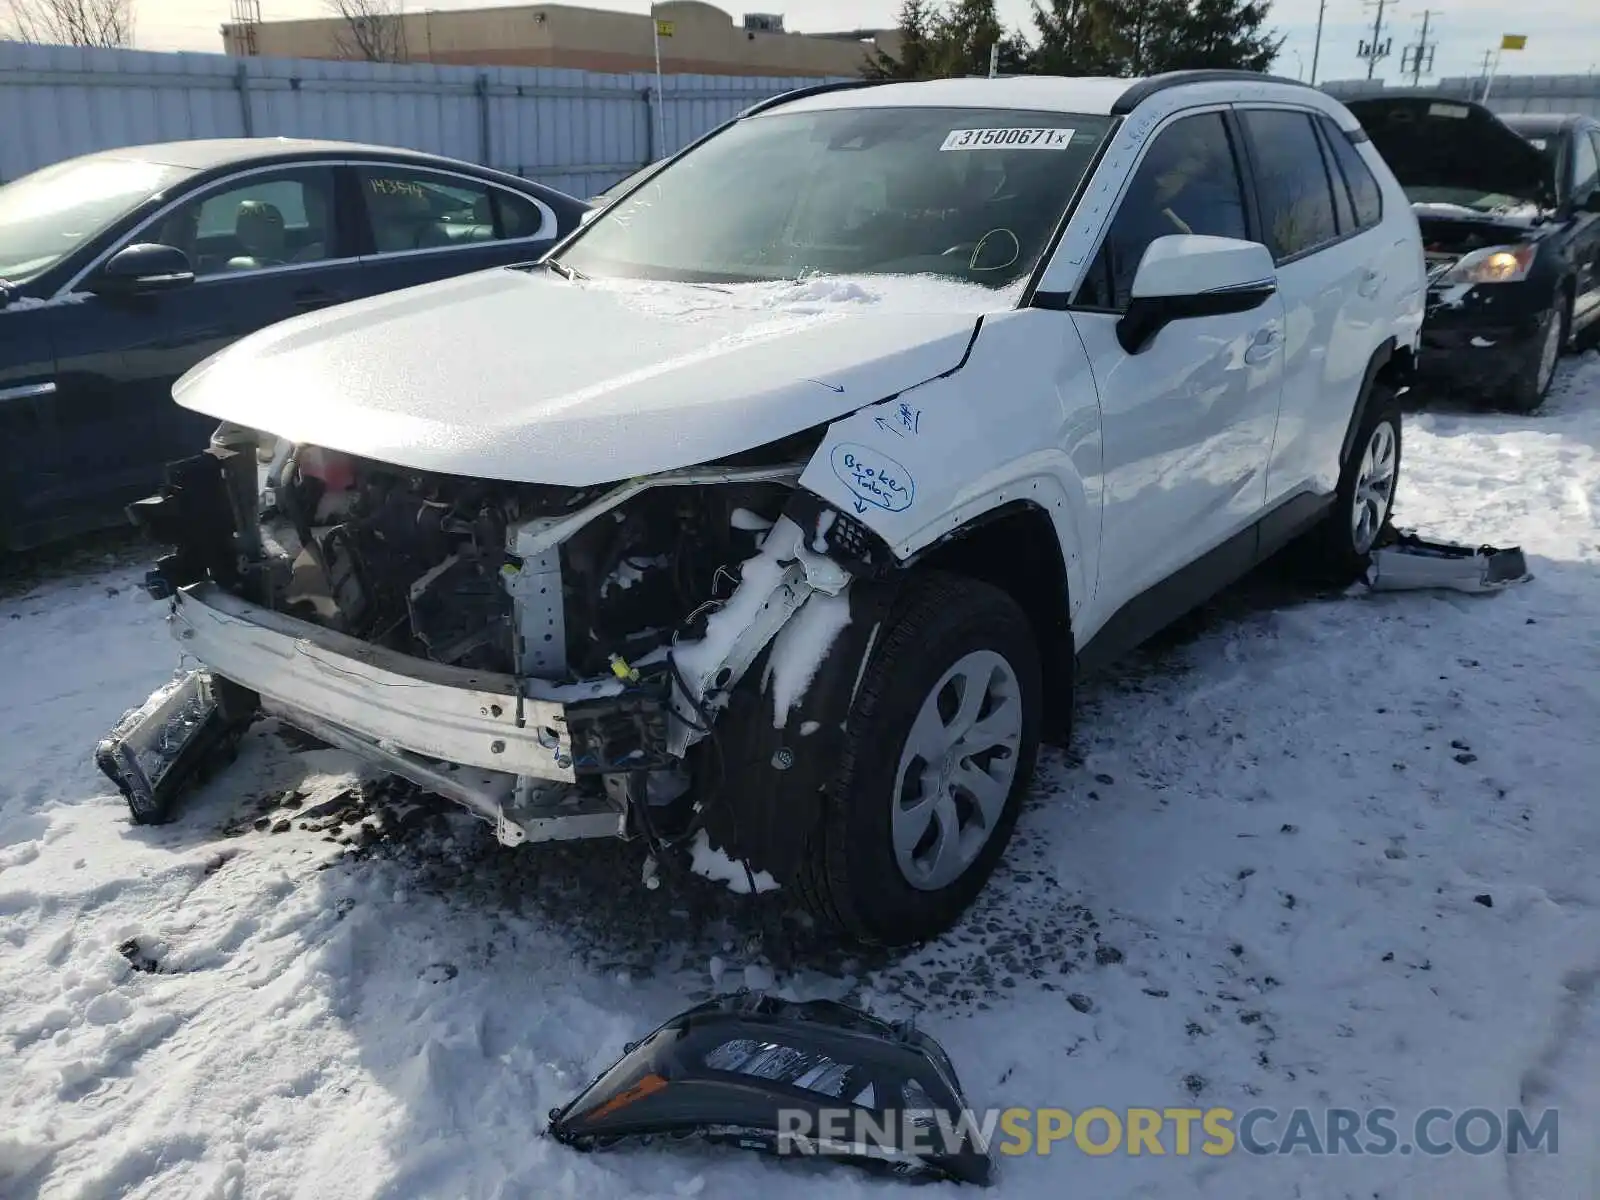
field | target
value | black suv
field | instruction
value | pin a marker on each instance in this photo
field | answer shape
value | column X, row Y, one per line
column 1510, row 214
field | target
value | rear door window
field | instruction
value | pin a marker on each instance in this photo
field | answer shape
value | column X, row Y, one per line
column 1294, row 191
column 410, row 208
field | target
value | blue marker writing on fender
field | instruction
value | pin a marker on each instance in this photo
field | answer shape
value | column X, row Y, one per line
column 873, row 477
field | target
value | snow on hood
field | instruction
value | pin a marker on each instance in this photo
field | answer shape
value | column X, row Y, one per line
column 521, row 375
column 1511, row 216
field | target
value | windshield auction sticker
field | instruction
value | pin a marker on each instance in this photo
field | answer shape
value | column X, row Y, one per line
column 1008, row 139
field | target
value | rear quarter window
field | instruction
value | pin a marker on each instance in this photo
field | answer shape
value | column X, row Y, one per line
column 1365, row 194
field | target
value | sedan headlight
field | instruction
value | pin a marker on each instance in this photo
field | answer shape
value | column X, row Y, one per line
column 1493, row 264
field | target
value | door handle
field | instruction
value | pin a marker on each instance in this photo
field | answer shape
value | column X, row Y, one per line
column 309, row 299
column 1264, row 346
column 28, row 391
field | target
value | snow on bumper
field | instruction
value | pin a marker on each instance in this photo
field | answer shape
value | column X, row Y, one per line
column 473, row 718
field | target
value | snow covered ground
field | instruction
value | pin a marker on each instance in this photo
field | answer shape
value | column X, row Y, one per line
column 1260, row 880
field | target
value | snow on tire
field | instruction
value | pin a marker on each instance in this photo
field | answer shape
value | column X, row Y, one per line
column 940, row 748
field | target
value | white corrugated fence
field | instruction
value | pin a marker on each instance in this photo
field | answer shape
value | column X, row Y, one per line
column 579, row 131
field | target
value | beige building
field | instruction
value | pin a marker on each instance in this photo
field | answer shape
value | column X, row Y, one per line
column 696, row 38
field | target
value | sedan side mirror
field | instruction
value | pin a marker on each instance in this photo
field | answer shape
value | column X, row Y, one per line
column 142, row 268
column 1184, row 276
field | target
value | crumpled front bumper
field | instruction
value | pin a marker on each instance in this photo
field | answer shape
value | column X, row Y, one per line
column 1479, row 338
column 399, row 703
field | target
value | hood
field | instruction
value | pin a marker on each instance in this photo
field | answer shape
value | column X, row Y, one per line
column 521, row 375
column 1449, row 228
column 1436, row 141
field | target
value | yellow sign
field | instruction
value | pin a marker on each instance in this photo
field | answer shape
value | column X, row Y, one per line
column 665, row 28
column 1514, row 41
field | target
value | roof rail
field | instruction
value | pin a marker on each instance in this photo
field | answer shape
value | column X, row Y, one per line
column 816, row 89
column 1145, row 88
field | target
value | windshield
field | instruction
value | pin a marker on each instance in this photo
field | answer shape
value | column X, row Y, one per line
column 47, row 215
column 1494, row 203
column 971, row 194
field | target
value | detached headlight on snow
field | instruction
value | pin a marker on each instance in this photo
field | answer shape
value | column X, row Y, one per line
column 1493, row 264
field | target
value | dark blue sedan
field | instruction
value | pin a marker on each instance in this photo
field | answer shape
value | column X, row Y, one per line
column 119, row 271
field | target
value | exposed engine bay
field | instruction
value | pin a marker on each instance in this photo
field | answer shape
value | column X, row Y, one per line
column 605, row 629
column 430, row 565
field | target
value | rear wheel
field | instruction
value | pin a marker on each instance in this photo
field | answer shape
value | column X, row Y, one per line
column 1339, row 549
column 939, row 751
column 1532, row 385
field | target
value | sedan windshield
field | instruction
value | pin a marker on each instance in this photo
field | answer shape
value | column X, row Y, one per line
column 49, row 214
column 971, row 194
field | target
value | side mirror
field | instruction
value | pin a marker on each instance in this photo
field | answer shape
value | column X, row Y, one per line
column 142, row 268
column 1184, row 276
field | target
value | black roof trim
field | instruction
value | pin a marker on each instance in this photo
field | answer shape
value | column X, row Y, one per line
column 1145, row 88
column 818, row 89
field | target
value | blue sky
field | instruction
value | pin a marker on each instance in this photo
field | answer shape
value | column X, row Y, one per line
column 1558, row 39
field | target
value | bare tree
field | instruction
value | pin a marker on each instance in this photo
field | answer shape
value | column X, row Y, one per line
column 68, row 22
column 372, row 30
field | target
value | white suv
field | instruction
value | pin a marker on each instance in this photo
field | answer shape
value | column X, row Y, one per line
column 769, row 518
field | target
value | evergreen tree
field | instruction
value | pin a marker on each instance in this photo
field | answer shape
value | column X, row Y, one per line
column 1225, row 33
column 941, row 42
column 919, row 33
column 968, row 30
column 1071, row 38
column 1146, row 37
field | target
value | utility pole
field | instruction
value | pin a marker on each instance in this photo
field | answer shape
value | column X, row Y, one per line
column 661, row 96
column 1316, row 47
column 1489, row 83
column 1377, row 48
column 1418, row 58
column 1483, row 75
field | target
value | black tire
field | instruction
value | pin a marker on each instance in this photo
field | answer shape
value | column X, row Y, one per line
column 1532, row 385
column 850, row 879
column 1331, row 553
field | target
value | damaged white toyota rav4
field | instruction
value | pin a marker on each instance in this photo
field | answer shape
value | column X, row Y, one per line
column 772, row 514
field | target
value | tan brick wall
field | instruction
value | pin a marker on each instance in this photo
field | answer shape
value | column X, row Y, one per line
column 704, row 40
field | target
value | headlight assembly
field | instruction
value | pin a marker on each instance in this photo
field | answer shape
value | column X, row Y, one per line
column 1493, row 264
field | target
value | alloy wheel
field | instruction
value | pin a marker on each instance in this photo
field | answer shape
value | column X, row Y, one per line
column 1374, row 488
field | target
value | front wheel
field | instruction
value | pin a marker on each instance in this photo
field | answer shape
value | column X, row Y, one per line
column 939, row 751
column 1532, row 384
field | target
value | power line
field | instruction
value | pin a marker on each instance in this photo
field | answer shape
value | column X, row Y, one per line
column 1379, row 46
column 1417, row 58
